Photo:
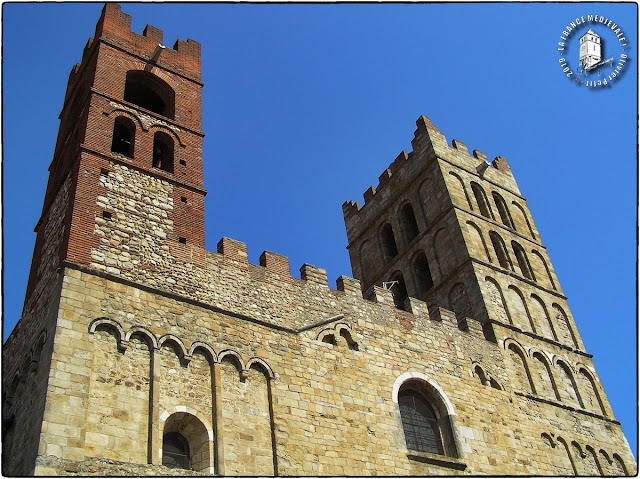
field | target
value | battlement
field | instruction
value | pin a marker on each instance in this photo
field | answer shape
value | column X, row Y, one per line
column 225, row 279
column 273, row 270
column 429, row 143
column 114, row 27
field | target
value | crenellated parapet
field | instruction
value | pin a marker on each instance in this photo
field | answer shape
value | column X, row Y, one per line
column 114, row 27
column 225, row 279
column 428, row 144
column 447, row 231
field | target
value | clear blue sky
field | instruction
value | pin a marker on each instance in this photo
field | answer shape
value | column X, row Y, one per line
column 305, row 105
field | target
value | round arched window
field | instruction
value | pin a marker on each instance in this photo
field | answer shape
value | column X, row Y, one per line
column 421, row 430
column 175, row 451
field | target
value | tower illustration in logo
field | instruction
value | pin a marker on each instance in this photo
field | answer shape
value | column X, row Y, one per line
column 591, row 51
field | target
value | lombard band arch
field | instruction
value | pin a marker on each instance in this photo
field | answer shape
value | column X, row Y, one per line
column 567, row 450
column 207, row 350
column 616, row 457
column 503, row 303
column 113, row 326
column 464, row 189
column 584, row 371
column 104, row 321
column 478, row 231
column 182, row 350
column 145, row 333
column 526, row 218
column 261, row 364
column 232, row 356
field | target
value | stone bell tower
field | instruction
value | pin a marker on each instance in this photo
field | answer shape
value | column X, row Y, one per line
column 447, row 228
column 125, row 190
column 449, row 232
column 450, row 229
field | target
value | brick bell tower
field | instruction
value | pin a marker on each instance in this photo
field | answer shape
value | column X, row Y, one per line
column 448, row 228
column 125, row 189
column 129, row 146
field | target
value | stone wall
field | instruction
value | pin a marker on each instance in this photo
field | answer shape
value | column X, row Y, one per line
column 54, row 466
column 26, row 355
column 285, row 400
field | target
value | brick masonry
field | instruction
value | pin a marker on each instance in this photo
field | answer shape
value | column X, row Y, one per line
column 132, row 330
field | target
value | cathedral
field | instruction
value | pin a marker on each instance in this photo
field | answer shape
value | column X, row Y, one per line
column 451, row 350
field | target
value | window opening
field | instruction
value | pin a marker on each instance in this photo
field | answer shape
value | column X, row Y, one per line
column 123, row 137
column 409, row 225
column 329, row 339
column 503, row 211
column 523, row 261
column 389, row 247
column 421, row 430
column 175, row 451
column 481, row 199
column 183, row 199
column 183, row 162
column 163, row 152
column 422, row 272
column 182, row 240
column 501, row 251
column 106, row 215
column 149, row 92
column 350, row 342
